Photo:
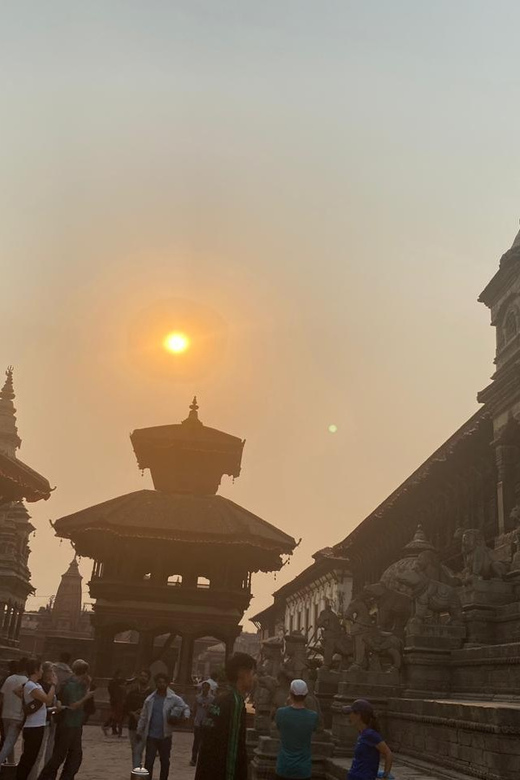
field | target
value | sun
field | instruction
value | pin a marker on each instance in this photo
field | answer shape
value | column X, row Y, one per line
column 176, row 342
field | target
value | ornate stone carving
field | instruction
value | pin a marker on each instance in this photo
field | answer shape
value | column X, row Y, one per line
column 334, row 638
column 295, row 665
column 431, row 597
column 267, row 683
column 373, row 647
column 478, row 559
column 393, row 607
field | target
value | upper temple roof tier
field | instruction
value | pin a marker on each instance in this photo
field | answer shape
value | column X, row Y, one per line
column 188, row 457
column 184, row 519
column 18, row 481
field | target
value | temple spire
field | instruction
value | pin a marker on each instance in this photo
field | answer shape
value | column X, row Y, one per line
column 9, row 439
column 193, row 416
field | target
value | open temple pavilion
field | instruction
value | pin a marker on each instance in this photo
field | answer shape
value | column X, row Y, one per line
column 176, row 560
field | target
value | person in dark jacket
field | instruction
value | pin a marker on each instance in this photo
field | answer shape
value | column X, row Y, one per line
column 223, row 754
column 117, row 694
column 138, row 691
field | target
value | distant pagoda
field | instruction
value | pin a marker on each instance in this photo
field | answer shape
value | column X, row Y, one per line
column 176, row 560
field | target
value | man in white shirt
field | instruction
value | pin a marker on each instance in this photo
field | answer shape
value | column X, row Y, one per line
column 12, row 710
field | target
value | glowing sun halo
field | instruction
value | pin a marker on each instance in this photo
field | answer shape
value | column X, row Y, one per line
column 176, row 343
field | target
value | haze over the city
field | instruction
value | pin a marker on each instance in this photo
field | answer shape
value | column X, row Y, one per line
column 315, row 193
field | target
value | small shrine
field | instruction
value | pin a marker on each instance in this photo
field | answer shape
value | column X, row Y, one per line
column 175, row 561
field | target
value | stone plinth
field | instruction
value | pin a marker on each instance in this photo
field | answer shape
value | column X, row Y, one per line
column 491, row 672
column 486, row 593
column 325, row 688
column 480, row 602
column 478, row 739
column 263, row 766
column 378, row 687
column 427, row 658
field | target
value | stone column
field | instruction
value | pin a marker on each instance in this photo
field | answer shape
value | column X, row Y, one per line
column 145, row 650
column 12, row 623
column 230, row 644
column 186, row 659
column 18, row 624
column 7, row 618
column 506, row 459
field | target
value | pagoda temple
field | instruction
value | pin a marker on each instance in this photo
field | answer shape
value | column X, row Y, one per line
column 17, row 482
column 176, row 560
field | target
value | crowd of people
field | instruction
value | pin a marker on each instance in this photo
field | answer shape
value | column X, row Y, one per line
column 48, row 704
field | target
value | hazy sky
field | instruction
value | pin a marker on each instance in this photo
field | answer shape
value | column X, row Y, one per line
column 319, row 189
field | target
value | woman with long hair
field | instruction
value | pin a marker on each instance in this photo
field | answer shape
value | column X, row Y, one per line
column 35, row 702
column 48, row 735
column 370, row 746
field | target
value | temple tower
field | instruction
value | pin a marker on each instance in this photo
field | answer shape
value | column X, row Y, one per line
column 17, row 481
column 15, row 526
column 9, row 439
column 176, row 560
column 66, row 608
column 502, row 396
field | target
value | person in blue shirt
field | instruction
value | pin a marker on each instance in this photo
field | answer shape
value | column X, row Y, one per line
column 296, row 725
column 370, row 746
column 162, row 710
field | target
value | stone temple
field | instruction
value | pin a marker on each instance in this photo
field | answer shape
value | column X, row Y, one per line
column 432, row 632
column 18, row 482
column 175, row 561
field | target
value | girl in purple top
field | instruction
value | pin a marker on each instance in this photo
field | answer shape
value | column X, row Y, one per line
column 370, row 746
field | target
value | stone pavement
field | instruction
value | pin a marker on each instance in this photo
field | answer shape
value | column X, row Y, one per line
column 108, row 758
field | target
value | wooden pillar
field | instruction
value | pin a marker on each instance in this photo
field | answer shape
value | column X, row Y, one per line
column 230, row 644
column 145, row 650
column 186, row 659
column 103, row 651
column 12, row 622
column 7, row 618
column 18, row 624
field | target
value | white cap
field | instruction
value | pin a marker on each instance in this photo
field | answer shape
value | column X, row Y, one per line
column 299, row 688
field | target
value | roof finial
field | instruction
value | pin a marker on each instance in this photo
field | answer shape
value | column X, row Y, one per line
column 9, row 439
column 7, row 391
column 193, row 416
column 419, row 542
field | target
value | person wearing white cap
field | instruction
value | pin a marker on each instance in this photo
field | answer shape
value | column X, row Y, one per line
column 296, row 725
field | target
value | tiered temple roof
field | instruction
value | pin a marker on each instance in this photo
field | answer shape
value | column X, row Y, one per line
column 17, row 480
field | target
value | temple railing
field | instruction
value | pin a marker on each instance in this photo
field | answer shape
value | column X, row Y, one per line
column 147, row 590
